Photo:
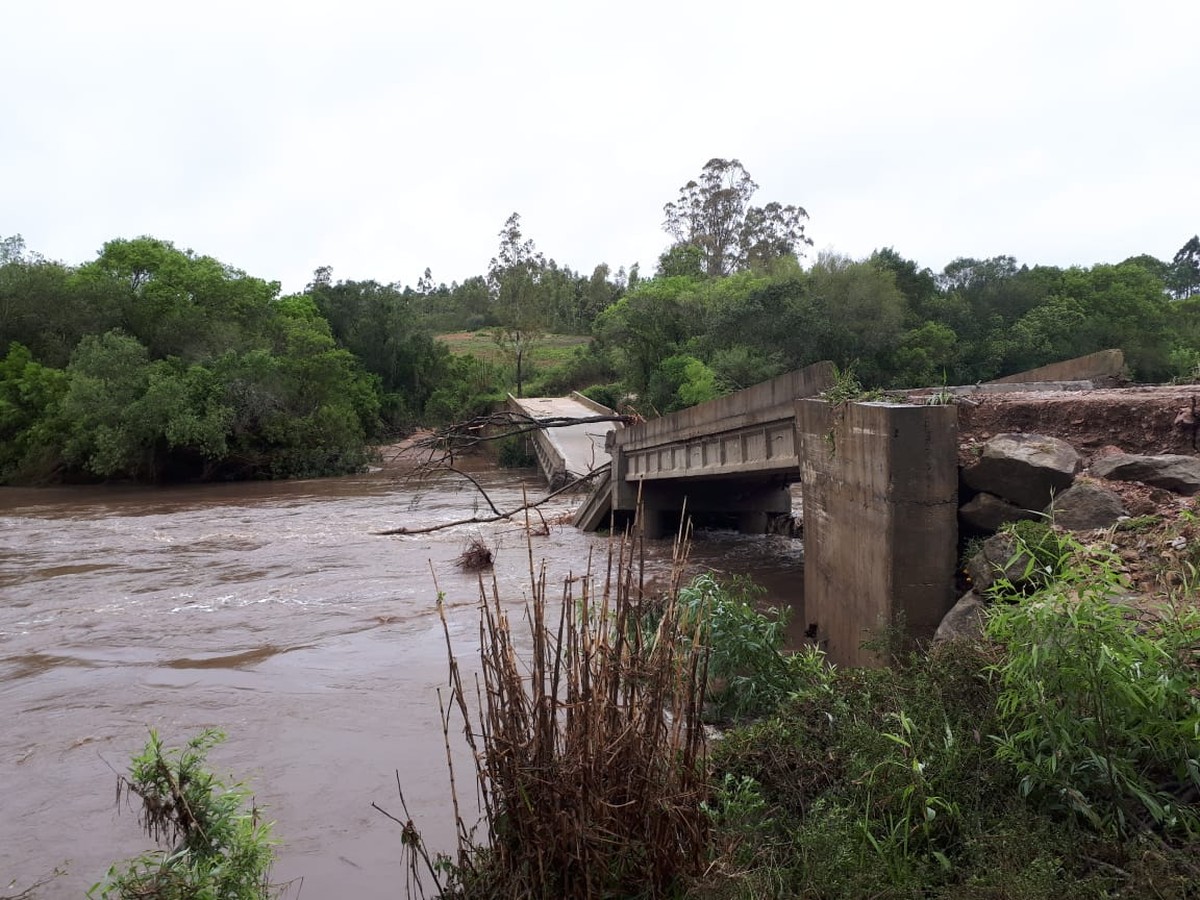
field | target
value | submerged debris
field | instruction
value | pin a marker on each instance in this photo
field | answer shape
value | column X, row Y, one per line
column 476, row 557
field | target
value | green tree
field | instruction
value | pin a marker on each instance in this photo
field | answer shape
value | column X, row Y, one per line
column 176, row 302
column 1152, row 264
column 681, row 381
column 649, row 324
column 681, row 260
column 919, row 286
column 109, row 375
column 516, row 277
column 600, row 292
column 129, row 416
column 1184, row 277
column 1123, row 306
column 379, row 326
column 42, row 307
column 926, row 356
column 714, row 215
column 30, row 421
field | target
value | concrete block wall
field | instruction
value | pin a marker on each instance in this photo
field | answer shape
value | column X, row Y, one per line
column 880, row 520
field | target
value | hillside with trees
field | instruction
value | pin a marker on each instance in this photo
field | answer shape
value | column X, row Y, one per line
column 154, row 363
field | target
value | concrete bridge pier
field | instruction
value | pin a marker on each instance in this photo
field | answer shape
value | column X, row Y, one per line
column 880, row 484
column 880, row 520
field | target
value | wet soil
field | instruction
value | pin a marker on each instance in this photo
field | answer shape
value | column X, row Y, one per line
column 1147, row 419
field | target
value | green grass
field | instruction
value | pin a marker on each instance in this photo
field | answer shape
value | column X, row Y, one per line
column 550, row 350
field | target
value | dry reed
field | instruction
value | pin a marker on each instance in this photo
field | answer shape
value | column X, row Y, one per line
column 589, row 747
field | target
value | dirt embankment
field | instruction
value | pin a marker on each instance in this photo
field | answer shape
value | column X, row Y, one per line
column 1159, row 545
column 1148, row 419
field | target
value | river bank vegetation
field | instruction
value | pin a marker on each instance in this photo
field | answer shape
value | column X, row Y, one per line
column 1057, row 757
column 156, row 363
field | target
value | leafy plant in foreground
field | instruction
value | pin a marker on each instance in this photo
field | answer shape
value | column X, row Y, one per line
column 1101, row 713
column 748, row 674
column 219, row 850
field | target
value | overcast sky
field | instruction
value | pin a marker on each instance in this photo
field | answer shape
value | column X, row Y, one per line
column 381, row 138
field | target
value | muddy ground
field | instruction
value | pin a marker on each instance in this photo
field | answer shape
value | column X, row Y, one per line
column 1145, row 419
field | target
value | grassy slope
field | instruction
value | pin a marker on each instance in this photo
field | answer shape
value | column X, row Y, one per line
column 548, row 351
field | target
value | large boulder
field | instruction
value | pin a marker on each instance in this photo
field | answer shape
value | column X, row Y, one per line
column 987, row 512
column 1025, row 469
column 1084, row 506
column 964, row 621
column 1172, row 471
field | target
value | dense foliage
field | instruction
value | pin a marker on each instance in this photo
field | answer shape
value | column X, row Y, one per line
column 156, row 363
column 1059, row 758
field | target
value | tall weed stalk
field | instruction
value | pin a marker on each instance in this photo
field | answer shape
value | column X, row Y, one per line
column 590, row 753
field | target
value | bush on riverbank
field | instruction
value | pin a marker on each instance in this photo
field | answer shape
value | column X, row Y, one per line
column 589, row 748
column 1060, row 759
column 219, row 848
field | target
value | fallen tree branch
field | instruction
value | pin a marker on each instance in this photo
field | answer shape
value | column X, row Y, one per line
column 476, row 520
column 478, row 430
column 478, row 487
column 30, row 892
column 435, row 452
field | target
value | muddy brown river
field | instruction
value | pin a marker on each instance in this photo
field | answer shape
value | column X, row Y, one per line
column 270, row 611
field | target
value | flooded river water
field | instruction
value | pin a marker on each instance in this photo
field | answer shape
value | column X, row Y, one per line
column 270, row 611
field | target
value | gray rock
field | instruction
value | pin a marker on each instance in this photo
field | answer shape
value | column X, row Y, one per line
column 1024, row 469
column 1171, row 471
column 987, row 512
column 964, row 621
column 989, row 563
column 1085, row 506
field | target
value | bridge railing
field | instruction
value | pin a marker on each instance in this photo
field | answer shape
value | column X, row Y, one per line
column 756, row 405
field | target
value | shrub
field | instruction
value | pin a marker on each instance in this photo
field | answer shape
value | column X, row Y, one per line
column 609, row 395
column 515, row 452
column 590, row 755
column 748, row 674
column 218, row 848
column 1101, row 713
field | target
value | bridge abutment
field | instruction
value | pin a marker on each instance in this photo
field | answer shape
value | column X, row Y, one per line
column 880, row 520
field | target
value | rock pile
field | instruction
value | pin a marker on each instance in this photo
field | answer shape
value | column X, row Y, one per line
column 1016, row 477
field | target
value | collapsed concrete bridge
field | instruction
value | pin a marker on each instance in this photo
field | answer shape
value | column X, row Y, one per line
column 879, row 482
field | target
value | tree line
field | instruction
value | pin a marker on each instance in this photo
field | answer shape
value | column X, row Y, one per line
column 155, row 363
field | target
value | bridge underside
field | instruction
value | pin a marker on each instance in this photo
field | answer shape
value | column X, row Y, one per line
column 751, row 505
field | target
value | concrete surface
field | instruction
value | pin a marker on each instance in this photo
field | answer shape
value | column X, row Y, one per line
column 880, row 520
column 572, row 450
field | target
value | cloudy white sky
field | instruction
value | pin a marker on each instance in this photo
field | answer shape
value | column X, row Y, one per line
column 381, row 138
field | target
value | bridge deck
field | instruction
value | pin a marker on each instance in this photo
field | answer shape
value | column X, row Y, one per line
column 572, row 450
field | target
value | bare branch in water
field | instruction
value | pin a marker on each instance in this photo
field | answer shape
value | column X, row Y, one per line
column 435, row 452
column 499, row 516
